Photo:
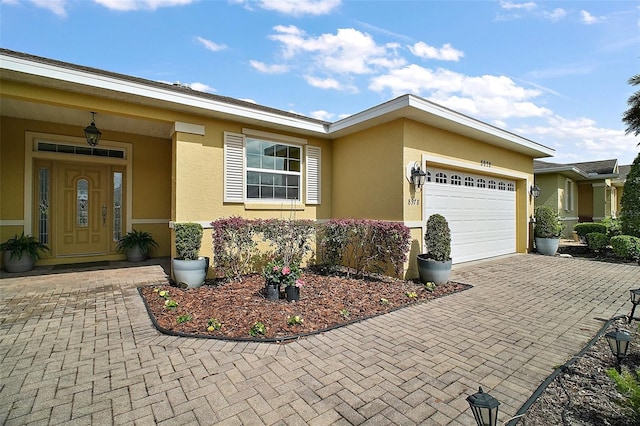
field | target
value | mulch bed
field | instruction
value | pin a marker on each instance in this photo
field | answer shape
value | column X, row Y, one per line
column 325, row 302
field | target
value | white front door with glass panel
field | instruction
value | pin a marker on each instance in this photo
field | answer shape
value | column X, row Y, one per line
column 84, row 215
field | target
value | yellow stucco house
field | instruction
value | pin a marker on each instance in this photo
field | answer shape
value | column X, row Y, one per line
column 581, row 192
column 171, row 154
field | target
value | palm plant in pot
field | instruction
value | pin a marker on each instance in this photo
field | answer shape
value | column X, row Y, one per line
column 548, row 228
column 435, row 265
column 189, row 268
column 136, row 245
column 21, row 252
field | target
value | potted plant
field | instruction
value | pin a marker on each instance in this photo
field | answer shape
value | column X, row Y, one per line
column 277, row 273
column 21, row 252
column 189, row 269
column 136, row 245
column 547, row 230
column 435, row 264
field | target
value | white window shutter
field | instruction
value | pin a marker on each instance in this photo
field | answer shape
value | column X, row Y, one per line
column 313, row 158
column 233, row 168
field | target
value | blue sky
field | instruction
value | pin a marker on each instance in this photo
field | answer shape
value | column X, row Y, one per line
column 554, row 72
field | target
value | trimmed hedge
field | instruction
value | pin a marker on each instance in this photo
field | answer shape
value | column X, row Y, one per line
column 597, row 241
column 582, row 229
column 626, row 246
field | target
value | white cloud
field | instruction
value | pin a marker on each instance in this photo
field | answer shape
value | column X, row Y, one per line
column 201, row 87
column 56, row 6
column 128, row 5
column 445, row 53
column 322, row 115
column 210, row 44
column 293, row 7
column 328, row 83
column 509, row 5
column 269, row 69
column 555, row 15
column 589, row 19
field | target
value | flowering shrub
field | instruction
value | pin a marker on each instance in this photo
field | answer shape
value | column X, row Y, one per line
column 279, row 273
column 364, row 245
column 234, row 245
column 290, row 239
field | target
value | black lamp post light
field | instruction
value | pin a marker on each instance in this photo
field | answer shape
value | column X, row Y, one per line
column 619, row 343
column 635, row 299
column 484, row 408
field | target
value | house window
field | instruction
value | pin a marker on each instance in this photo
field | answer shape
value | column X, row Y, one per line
column 502, row 186
column 43, row 205
column 456, row 180
column 260, row 166
column 481, row 183
column 82, row 199
column 492, row 184
column 468, row 181
column 441, row 177
column 568, row 195
column 273, row 170
column 117, row 206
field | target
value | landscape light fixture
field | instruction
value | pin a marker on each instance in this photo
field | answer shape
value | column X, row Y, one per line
column 418, row 176
column 91, row 132
column 484, row 408
column 635, row 299
column 534, row 191
column 619, row 343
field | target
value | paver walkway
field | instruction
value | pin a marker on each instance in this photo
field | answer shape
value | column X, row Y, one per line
column 79, row 348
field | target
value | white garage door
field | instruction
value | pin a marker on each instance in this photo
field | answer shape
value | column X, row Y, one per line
column 481, row 211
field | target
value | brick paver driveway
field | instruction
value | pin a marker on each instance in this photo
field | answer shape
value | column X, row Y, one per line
column 79, row 348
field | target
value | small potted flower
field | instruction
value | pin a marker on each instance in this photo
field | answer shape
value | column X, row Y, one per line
column 21, row 252
column 276, row 274
column 136, row 245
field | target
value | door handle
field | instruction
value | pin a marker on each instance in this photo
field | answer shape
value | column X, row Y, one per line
column 104, row 215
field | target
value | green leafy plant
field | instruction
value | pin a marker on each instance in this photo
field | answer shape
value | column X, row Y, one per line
column 257, row 328
column 584, row 228
column 170, row 304
column 411, row 294
column 213, row 324
column 345, row 313
column 290, row 239
column 613, row 226
column 279, row 273
column 597, row 242
column 188, row 240
column 384, row 301
column 295, row 320
column 626, row 246
column 628, row 384
column 548, row 224
column 630, row 201
column 437, row 238
column 140, row 239
column 23, row 244
column 234, row 245
column 181, row 319
column 429, row 286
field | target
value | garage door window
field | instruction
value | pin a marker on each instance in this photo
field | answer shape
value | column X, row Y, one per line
column 492, row 184
column 456, row 180
column 441, row 178
column 468, row 181
column 482, row 183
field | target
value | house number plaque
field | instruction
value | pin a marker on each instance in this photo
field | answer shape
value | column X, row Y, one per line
column 413, row 202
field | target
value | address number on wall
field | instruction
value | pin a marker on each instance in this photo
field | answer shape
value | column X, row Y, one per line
column 413, row 202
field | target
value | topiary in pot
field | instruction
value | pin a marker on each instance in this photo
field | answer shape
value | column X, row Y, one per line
column 547, row 230
column 189, row 269
column 136, row 245
column 435, row 265
column 21, row 252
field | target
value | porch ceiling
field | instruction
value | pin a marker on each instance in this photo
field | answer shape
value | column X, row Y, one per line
column 81, row 118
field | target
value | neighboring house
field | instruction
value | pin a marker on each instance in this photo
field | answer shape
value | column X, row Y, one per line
column 581, row 192
column 171, row 154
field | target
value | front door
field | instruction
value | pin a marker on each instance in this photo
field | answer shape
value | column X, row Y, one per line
column 83, row 224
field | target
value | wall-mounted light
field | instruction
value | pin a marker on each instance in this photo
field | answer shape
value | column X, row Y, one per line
column 415, row 175
column 91, row 132
column 534, row 191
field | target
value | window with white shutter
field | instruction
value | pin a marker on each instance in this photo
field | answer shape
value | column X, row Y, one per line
column 233, row 167
column 313, row 174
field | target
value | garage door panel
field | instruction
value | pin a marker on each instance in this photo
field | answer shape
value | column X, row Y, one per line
column 482, row 220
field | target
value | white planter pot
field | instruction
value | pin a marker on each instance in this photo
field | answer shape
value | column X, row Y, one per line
column 190, row 273
column 24, row 264
column 433, row 271
column 547, row 246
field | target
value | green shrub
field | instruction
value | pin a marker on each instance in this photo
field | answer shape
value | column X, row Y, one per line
column 626, row 246
column 437, row 239
column 234, row 246
column 629, row 386
column 582, row 229
column 614, row 227
column 630, row 201
column 188, row 240
column 597, row 242
column 548, row 223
